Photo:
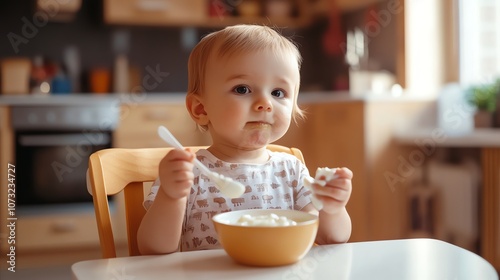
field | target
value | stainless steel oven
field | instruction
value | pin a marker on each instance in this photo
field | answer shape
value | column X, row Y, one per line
column 52, row 147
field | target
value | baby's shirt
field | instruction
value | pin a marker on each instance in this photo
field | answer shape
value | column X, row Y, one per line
column 276, row 184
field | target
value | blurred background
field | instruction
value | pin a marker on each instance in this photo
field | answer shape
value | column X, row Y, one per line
column 98, row 32
column 405, row 93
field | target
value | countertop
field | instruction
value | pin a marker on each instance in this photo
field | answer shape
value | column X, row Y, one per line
column 477, row 138
column 437, row 137
column 177, row 97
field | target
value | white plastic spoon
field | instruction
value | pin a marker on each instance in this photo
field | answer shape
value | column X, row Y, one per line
column 226, row 185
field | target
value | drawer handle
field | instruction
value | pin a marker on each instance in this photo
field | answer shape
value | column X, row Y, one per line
column 63, row 226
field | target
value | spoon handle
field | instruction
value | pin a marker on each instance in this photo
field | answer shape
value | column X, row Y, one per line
column 169, row 137
column 166, row 135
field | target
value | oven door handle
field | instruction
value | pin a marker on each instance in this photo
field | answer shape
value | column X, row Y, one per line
column 76, row 139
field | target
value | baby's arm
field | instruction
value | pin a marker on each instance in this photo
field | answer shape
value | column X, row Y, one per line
column 334, row 221
column 160, row 229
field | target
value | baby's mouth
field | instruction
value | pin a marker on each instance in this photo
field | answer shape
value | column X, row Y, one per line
column 258, row 125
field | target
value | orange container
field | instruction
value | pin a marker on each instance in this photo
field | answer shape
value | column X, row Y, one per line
column 100, row 80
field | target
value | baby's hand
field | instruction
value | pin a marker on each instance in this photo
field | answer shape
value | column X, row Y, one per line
column 335, row 194
column 176, row 173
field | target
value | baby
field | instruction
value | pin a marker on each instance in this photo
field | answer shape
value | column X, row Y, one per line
column 243, row 86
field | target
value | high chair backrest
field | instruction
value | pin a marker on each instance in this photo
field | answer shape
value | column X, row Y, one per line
column 116, row 169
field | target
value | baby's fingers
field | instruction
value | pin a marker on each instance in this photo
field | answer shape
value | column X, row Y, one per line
column 176, row 173
column 174, row 155
column 343, row 173
column 337, row 193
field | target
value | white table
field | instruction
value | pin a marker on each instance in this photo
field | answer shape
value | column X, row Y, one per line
column 394, row 259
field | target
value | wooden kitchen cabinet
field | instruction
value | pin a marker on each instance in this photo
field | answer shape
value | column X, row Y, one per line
column 139, row 125
column 332, row 135
column 201, row 13
column 57, row 231
column 490, row 238
column 6, row 157
column 339, row 140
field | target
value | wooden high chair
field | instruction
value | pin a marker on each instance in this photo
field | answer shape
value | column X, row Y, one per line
column 116, row 169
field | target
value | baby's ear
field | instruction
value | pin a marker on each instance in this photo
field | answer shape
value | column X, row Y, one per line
column 196, row 109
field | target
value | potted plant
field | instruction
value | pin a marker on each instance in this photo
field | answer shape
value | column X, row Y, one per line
column 497, row 110
column 484, row 98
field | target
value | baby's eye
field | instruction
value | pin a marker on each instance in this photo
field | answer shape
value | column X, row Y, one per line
column 241, row 89
column 278, row 93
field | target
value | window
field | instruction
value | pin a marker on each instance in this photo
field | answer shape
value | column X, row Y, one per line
column 451, row 41
column 479, row 39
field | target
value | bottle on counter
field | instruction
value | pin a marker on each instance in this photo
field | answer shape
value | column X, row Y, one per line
column 61, row 84
column 120, row 74
column 71, row 60
column 39, row 78
column 121, row 44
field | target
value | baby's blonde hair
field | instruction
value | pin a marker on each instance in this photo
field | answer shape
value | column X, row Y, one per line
column 240, row 38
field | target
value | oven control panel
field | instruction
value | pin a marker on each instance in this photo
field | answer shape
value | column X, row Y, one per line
column 96, row 117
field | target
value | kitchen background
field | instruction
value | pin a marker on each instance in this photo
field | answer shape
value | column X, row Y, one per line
column 97, row 44
column 374, row 99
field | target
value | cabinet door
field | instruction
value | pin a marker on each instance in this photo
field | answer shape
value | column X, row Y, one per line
column 57, row 231
column 6, row 157
column 297, row 137
column 332, row 135
column 338, row 134
column 155, row 12
column 139, row 125
column 338, row 138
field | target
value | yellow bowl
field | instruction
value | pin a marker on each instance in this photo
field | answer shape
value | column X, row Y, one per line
column 266, row 245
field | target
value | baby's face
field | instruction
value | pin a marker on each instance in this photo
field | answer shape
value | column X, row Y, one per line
column 249, row 98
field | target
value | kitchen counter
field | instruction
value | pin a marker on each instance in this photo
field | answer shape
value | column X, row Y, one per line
column 479, row 137
column 49, row 100
column 346, row 96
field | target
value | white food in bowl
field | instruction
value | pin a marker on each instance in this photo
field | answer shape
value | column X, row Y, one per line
column 265, row 220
